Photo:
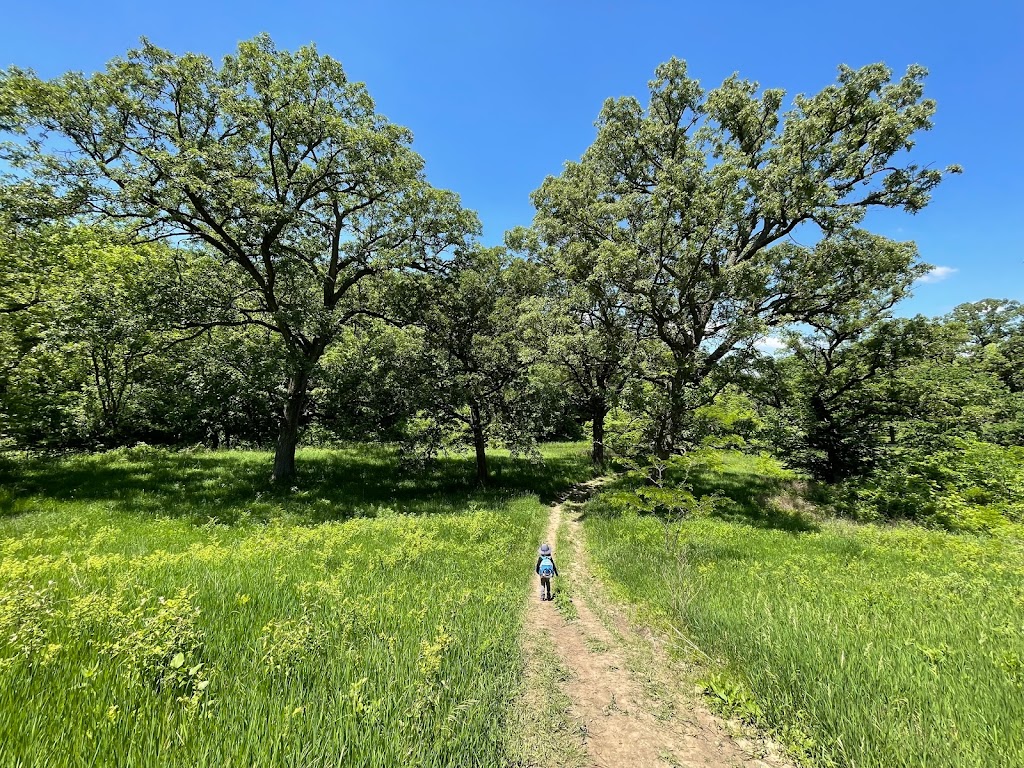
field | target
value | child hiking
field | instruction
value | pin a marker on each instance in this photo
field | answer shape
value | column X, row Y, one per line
column 546, row 570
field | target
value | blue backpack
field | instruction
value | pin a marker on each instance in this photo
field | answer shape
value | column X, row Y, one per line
column 547, row 567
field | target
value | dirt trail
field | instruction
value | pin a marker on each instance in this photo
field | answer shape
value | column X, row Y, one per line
column 623, row 707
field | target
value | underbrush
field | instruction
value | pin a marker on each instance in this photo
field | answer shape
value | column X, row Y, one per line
column 972, row 486
column 857, row 645
column 322, row 626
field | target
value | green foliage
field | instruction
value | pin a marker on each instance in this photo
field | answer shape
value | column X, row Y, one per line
column 580, row 325
column 731, row 698
column 840, row 389
column 730, row 420
column 864, row 394
column 964, row 388
column 274, row 162
column 855, row 644
column 103, row 356
column 84, row 345
column 662, row 487
column 475, row 363
column 972, row 486
column 367, row 386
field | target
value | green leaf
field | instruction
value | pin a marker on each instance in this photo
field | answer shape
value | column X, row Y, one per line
column 178, row 660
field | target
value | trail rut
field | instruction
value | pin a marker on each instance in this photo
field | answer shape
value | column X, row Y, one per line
column 622, row 707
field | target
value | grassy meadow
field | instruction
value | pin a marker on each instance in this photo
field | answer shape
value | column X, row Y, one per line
column 859, row 645
column 162, row 608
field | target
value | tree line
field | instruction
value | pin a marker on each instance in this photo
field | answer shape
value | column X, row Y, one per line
column 243, row 253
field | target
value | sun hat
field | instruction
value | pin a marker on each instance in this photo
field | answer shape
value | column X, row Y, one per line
column 545, row 549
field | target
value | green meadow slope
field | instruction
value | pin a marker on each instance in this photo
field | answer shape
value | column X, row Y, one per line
column 858, row 645
column 172, row 609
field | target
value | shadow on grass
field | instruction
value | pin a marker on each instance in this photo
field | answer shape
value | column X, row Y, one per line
column 761, row 499
column 233, row 486
column 755, row 499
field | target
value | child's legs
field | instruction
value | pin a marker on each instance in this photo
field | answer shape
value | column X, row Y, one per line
column 545, row 586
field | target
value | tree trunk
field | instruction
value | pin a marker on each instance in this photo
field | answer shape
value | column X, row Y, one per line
column 678, row 412
column 662, row 441
column 824, row 438
column 288, row 434
column 480, row 444
column 599, row 410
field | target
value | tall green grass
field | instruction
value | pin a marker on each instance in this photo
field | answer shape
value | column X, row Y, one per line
column 174, row 609
column 862, row 646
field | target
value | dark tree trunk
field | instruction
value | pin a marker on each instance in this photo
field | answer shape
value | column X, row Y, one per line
column 828, row 436
column 664, row 442
column 599, row 409
column 823, row 438
column 480, row 444
column 288, row 434
column 677, row 415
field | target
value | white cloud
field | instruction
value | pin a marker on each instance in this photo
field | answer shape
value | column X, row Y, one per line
column 937, row 274
column 770, row 343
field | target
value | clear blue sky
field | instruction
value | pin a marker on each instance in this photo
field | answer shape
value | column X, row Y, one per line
column 500, row 95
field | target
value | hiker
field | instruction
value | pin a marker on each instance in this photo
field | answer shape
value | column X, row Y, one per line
column 546, row 570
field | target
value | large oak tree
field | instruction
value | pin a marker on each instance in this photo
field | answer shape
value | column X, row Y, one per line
column 688, row 206
column 274, row 161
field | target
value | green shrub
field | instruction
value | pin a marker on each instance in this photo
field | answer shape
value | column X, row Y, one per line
column 662, row 487
column 972, row 486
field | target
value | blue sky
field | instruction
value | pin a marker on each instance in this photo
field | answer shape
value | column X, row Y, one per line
column 500, row 95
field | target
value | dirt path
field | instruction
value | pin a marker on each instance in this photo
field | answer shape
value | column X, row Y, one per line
column 622, row 703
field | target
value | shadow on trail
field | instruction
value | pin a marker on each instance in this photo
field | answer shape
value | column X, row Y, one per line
column 234, row 486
